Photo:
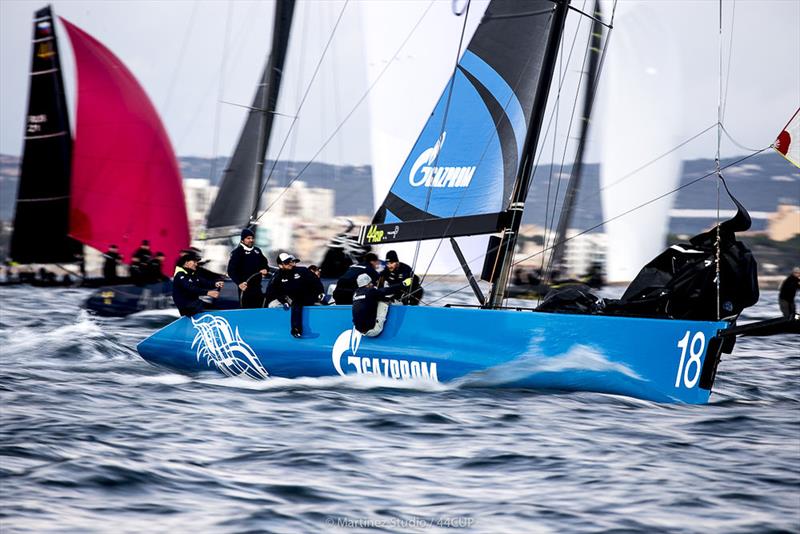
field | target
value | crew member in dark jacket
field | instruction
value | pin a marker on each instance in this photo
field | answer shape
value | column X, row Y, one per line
column 396, row 273
column 140, row 262
column 154, row 272
column 371, row 305
column 787, row 292
column 346, row 286
column 295, row 284
column 247, row 267
column 111, row 259
column 188, row 287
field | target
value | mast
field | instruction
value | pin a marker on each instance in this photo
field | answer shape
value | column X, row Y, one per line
column 508, row 243
column 237, row 202
column 568, row 207
column 43, row 194
column 284, row 12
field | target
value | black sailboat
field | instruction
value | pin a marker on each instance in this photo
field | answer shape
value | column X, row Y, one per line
column 43, row 197
column 135, row 194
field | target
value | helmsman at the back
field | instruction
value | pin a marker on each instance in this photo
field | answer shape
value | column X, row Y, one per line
column 247, row 267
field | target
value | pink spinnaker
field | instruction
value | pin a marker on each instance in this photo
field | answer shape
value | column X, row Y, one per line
column 126, row 184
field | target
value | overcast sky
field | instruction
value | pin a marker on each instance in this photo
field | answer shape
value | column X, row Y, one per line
column 175, row 49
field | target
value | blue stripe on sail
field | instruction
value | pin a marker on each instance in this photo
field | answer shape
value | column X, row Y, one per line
column 501, row 91
column 460, row 164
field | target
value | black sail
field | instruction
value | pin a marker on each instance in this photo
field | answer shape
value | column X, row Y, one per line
column 42, row 207
column 240, row 189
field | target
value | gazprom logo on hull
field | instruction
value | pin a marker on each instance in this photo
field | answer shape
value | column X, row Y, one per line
column 390, row 367
column 423, row 172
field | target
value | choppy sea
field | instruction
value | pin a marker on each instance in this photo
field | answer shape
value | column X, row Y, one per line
column 92, row 438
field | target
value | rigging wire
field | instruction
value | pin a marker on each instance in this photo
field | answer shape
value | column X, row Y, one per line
column 657, row 158
column 190, row 125
column 623, row 214
column 730, row 57
column 553, row 112
column 463, row 195
column 732, row 140
column 562, row 78
column 336, row 113
column 297, row 115
column 717, row 244
column 557, row 105
column 546, row 249
column 610, row 26
column 566, row 145
column 299, row 86
column 181, row 54
column 220, row 93
column 586, row 56
column 441, row 132
column 352, row 110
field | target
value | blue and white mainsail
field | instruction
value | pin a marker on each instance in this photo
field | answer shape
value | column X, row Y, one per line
column 457, row 179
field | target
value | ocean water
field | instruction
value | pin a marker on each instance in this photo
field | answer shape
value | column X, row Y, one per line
column 92, row 438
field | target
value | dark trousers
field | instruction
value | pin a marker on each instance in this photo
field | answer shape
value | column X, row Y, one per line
column 787, row 308
column 343, row 295
column 297, row 311
column 192, row 308
column 252, row 298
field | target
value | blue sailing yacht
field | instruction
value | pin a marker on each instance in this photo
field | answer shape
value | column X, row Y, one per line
column 468, row 174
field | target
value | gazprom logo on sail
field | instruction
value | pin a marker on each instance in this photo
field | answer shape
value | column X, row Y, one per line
column 424, row 173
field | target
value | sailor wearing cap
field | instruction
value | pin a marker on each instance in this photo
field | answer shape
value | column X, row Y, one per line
column 371, row 305
column 397, row 272
column 188, row 287
column 247, row 267
column 294, row 284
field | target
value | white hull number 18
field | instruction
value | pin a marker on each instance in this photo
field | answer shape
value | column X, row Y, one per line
column 696, row 348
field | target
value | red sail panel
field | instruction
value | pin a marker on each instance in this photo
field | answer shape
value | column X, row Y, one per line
column 126, row 184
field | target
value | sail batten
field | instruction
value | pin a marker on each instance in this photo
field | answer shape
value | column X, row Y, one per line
column 44, row 187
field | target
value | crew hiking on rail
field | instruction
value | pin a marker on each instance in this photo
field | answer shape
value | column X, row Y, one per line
column 371, row 305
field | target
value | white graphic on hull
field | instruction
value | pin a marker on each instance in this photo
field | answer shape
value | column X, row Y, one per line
column 390, row 367
column 217, row 342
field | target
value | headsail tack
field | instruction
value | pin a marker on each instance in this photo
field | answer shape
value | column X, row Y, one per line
column 44, row 185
